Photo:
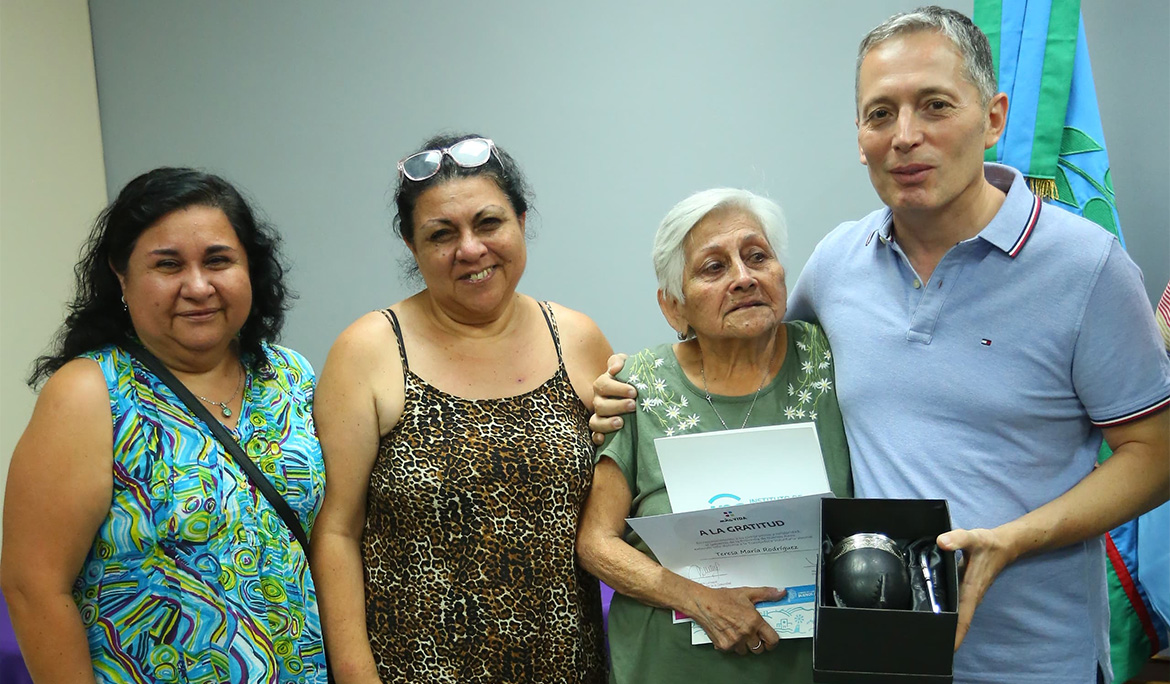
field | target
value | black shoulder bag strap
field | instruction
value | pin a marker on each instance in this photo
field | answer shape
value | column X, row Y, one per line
column 221, row 433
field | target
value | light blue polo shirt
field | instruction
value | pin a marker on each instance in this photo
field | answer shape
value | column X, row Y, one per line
column 988, row 386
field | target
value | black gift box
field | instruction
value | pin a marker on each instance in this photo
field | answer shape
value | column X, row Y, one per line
column 878, row 646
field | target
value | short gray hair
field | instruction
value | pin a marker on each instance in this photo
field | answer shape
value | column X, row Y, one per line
column 669, row 242
column 972, row 44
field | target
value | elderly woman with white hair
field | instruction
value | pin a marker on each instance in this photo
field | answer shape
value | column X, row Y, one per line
column 737, row 364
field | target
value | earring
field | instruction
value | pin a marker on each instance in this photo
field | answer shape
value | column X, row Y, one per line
column 124, row 307
column 682, row 337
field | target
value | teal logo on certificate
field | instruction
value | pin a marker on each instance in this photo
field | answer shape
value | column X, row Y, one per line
column 724, row 500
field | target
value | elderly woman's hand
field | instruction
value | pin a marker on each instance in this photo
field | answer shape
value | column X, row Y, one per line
column 730, row 619
column 611, row 398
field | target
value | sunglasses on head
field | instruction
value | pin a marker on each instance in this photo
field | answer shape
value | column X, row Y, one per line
column 468, row 153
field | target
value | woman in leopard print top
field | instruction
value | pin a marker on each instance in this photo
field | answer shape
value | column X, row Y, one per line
column 457, row 452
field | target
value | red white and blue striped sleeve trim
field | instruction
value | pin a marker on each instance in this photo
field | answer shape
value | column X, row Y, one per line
column 1029, row 226
column 1135, row 415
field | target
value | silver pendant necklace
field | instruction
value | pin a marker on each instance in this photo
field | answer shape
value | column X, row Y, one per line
column 223, row 405
column 707, row 394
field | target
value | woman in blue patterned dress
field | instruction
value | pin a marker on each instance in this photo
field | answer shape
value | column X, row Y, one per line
column 135, row 549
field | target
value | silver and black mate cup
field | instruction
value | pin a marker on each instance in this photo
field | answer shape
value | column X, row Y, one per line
column 868, row 570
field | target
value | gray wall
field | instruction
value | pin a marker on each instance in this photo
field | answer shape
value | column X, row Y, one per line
column 616, row 110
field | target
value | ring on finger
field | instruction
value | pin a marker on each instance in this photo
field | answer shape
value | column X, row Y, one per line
column 758, row 646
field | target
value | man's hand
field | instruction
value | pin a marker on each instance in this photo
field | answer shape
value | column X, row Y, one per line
column 1132, row 481
column 987, row 553
column 610, row 400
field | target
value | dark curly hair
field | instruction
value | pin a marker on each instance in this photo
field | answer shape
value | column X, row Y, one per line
column 501, row 168
column 97, row 316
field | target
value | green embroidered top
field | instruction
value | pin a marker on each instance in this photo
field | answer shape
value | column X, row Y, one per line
column 644, row 644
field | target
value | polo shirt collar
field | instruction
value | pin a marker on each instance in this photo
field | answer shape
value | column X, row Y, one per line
column 1012, row 225
column 883, row 230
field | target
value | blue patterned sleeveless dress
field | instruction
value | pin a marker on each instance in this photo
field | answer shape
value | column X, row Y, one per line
column 193, row 577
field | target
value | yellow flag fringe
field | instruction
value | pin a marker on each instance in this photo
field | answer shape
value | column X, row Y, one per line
column 1044, row 188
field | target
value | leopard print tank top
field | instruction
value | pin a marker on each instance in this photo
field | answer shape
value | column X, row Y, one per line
column 471, row 519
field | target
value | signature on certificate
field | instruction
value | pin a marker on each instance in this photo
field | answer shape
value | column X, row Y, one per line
column 707, row 572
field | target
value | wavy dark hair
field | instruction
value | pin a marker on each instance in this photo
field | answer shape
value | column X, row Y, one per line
column 97, row 316
column 501, row 168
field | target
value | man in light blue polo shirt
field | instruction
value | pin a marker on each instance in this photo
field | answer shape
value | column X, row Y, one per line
column 984, row 344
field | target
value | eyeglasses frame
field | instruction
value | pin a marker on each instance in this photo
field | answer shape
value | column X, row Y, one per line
column 446, row 152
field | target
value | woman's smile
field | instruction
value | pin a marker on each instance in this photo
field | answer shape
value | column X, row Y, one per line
column 480, row 276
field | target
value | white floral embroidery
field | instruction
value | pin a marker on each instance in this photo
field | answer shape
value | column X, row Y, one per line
column 671, row 407
column 657, row 397
column 815, row 371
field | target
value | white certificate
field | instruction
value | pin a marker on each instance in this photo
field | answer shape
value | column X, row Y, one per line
column 771, row 543
column 733, row 467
